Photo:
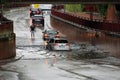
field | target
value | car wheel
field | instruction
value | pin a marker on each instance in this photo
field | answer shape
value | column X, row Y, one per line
column 47, row 47
column 43, row 25
column 50, row 48
column 44, row 39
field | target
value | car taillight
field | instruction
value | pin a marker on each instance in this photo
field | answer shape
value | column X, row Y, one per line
column 55, row 44
column 45, row 35
column 35, row 24
column 30, row 11
column 38, row 12
column 67, row 44
column 57, row 36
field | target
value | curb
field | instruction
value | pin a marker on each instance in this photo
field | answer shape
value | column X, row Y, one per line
column 2, row 62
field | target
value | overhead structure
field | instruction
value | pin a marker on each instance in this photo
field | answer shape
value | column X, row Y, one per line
column 35, row 6
column 62, row 1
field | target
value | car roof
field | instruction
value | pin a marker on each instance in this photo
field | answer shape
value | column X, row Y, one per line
column 49, row 30
column 37, row 16
column 60, row 39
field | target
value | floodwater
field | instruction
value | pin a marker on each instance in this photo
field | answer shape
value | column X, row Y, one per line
column 107, row 43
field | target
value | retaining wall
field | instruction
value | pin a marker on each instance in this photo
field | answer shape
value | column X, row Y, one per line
column 7, row 39
column 107, row 26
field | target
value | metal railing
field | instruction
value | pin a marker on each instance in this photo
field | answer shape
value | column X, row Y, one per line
column 105, row 25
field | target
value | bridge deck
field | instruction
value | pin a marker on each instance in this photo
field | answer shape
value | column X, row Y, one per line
column 62, row 1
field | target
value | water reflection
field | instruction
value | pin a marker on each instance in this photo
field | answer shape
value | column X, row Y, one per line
column 32, row 40
column 51, row 61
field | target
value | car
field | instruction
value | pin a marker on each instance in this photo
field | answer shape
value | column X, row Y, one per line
column 50, row 33
column 34, row 11
column 38, row 20
column 58, row 44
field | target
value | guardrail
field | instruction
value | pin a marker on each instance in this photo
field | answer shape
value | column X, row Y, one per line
column 14, row 5
column 106, row 25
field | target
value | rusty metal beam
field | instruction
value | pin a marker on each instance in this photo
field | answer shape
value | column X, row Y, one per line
column 62, row 1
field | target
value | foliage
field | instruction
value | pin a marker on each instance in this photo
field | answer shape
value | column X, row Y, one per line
column 102, row 8
column 74, row 7
column 2, row 1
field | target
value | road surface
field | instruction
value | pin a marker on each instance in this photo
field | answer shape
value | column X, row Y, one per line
column 40, row 64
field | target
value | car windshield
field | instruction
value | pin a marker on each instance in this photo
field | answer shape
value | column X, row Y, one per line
column 51, row 32
column 61, row 41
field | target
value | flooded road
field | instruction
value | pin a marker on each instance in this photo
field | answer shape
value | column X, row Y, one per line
column 37, row 63
column 107, row 43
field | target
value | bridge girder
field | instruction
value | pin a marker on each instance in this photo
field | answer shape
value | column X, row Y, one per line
column 60, row 1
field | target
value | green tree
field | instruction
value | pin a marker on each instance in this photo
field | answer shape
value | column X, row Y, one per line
column 102, row 8
column 74, row 7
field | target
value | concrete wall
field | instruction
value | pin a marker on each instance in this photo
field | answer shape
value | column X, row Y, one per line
column 7, row 39
column 107, row 25
column 73, row 33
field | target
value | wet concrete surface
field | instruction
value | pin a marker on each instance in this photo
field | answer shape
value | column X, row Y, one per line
column 40, row 64
column 109, row 44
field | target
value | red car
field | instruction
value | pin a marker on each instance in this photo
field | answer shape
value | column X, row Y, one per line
column 38, row 20
column 34, row 11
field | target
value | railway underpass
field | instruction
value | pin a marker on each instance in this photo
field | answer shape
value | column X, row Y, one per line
column 61, row 1
column 55, row 64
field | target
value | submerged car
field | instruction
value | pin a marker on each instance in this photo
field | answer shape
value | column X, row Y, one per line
column 49, row 34
column 58, row 44
column 38, row 20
